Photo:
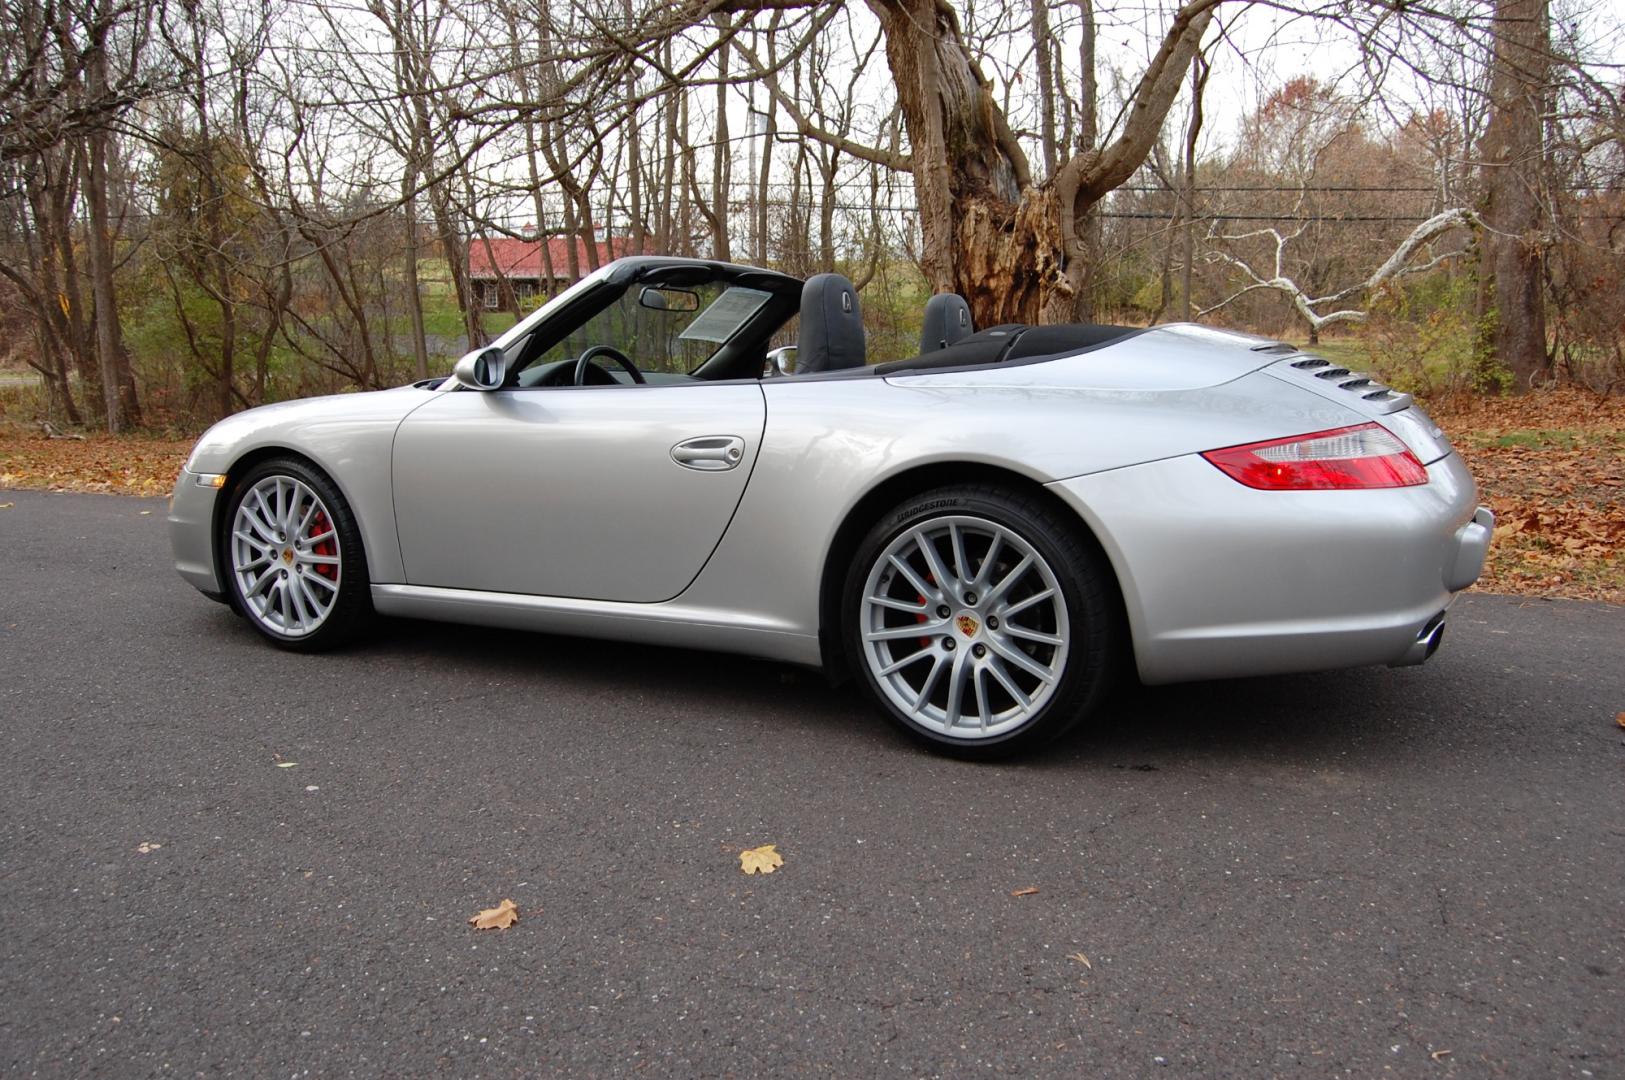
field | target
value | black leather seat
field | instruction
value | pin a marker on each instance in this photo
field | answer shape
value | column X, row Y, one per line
column 831, row 336
column 947, row 319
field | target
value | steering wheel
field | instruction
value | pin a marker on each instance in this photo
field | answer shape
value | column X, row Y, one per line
column 614, row 354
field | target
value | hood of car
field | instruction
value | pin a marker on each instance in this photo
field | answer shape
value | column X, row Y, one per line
column 336, row 415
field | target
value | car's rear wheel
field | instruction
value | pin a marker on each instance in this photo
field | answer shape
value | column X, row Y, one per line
column 981, row 620
column 295, row 565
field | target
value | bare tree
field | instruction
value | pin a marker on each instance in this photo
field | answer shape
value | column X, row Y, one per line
column 1397, row 265
column 1513, row 154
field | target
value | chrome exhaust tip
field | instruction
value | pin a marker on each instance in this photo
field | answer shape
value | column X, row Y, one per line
column 1427, row 643
column 1433, row 640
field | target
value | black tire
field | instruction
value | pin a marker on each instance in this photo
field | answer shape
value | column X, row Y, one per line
column 350, row 610
column 1079, row 617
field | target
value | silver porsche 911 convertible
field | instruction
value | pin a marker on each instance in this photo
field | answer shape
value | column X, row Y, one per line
column 985, row 534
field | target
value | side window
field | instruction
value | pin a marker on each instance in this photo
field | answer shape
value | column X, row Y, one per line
column 665, row 328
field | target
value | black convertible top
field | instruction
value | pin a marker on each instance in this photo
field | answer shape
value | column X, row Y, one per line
column 1015, row 341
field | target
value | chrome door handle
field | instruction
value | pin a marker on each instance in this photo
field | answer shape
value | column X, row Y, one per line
column 709, row 453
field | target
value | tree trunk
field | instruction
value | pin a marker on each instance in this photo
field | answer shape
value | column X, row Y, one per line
column 722, row 158
column 1513, row 154
column 1089, row 230
column 455, row 249
column 222, row 289
column 1193, row 133
column 634, row 161
column 539, row 204
column 118, row 382
column 1013, row 248
column 409, row 260
column 760, row 228
column 61, row 308
column 1048, row 90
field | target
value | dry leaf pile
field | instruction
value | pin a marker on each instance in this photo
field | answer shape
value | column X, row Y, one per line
column 125, row 465
column 1552, row 467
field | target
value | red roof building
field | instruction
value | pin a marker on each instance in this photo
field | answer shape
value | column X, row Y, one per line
column 521, row 262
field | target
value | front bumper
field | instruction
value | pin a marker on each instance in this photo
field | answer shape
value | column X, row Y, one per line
column 191, row 532
column 1220, row 580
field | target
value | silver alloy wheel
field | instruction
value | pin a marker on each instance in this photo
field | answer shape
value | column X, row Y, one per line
column 964, row 627
column 285, row 556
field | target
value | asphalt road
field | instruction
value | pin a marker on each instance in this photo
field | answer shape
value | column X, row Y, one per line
column 1416, row 873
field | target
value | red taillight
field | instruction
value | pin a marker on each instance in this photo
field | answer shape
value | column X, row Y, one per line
column 1362, row 456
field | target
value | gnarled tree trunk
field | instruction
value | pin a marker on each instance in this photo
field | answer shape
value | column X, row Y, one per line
column 1013, row 246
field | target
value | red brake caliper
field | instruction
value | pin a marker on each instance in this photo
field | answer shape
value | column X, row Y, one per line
column 922, row 616
column 319, row 525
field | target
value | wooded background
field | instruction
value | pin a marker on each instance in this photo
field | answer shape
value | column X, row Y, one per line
column 210, row 204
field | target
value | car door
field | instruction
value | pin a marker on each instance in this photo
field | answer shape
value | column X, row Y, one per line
column 602, row 493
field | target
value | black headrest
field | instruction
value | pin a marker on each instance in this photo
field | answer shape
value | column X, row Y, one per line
column 831, row 335
column 947, row 319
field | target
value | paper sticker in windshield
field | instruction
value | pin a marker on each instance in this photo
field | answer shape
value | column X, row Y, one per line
column 726, row 314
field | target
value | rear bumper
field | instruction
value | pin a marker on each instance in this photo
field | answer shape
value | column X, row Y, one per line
column 1472, row 547
column 1221, row 580
column 191, row 533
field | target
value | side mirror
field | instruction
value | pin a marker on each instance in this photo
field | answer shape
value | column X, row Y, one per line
column 781, row 361
column 482, row 369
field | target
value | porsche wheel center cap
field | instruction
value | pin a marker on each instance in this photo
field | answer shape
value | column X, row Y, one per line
column 287, row 555
column 968, row 624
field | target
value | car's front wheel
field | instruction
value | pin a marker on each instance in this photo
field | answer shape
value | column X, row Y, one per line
column 981, row 621
column 295, row 565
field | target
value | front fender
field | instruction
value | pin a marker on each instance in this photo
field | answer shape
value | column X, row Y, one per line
column 348, row 436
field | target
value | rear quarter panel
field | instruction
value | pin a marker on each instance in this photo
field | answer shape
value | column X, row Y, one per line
column 828, row 443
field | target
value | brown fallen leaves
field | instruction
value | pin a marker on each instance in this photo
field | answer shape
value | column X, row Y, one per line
column 1552, row 467
column 1550, row 464
column 760, row 860
column 500, row 917
column 1030, row 890
column 126, row 465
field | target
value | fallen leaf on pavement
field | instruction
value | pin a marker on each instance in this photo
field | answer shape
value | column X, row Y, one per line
column 286, row 764
column 1082, row 959
column 1620, row 719
column 146, row 846
column 1439, row 1055
column 500, row 917
column 7, row 506
column 760, row 860
column 1028, row 891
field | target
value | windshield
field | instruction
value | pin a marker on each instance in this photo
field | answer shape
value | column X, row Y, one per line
column 664, row 328
column 521, row 329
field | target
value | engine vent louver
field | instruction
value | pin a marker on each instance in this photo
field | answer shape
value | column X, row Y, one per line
column 1382, row 398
